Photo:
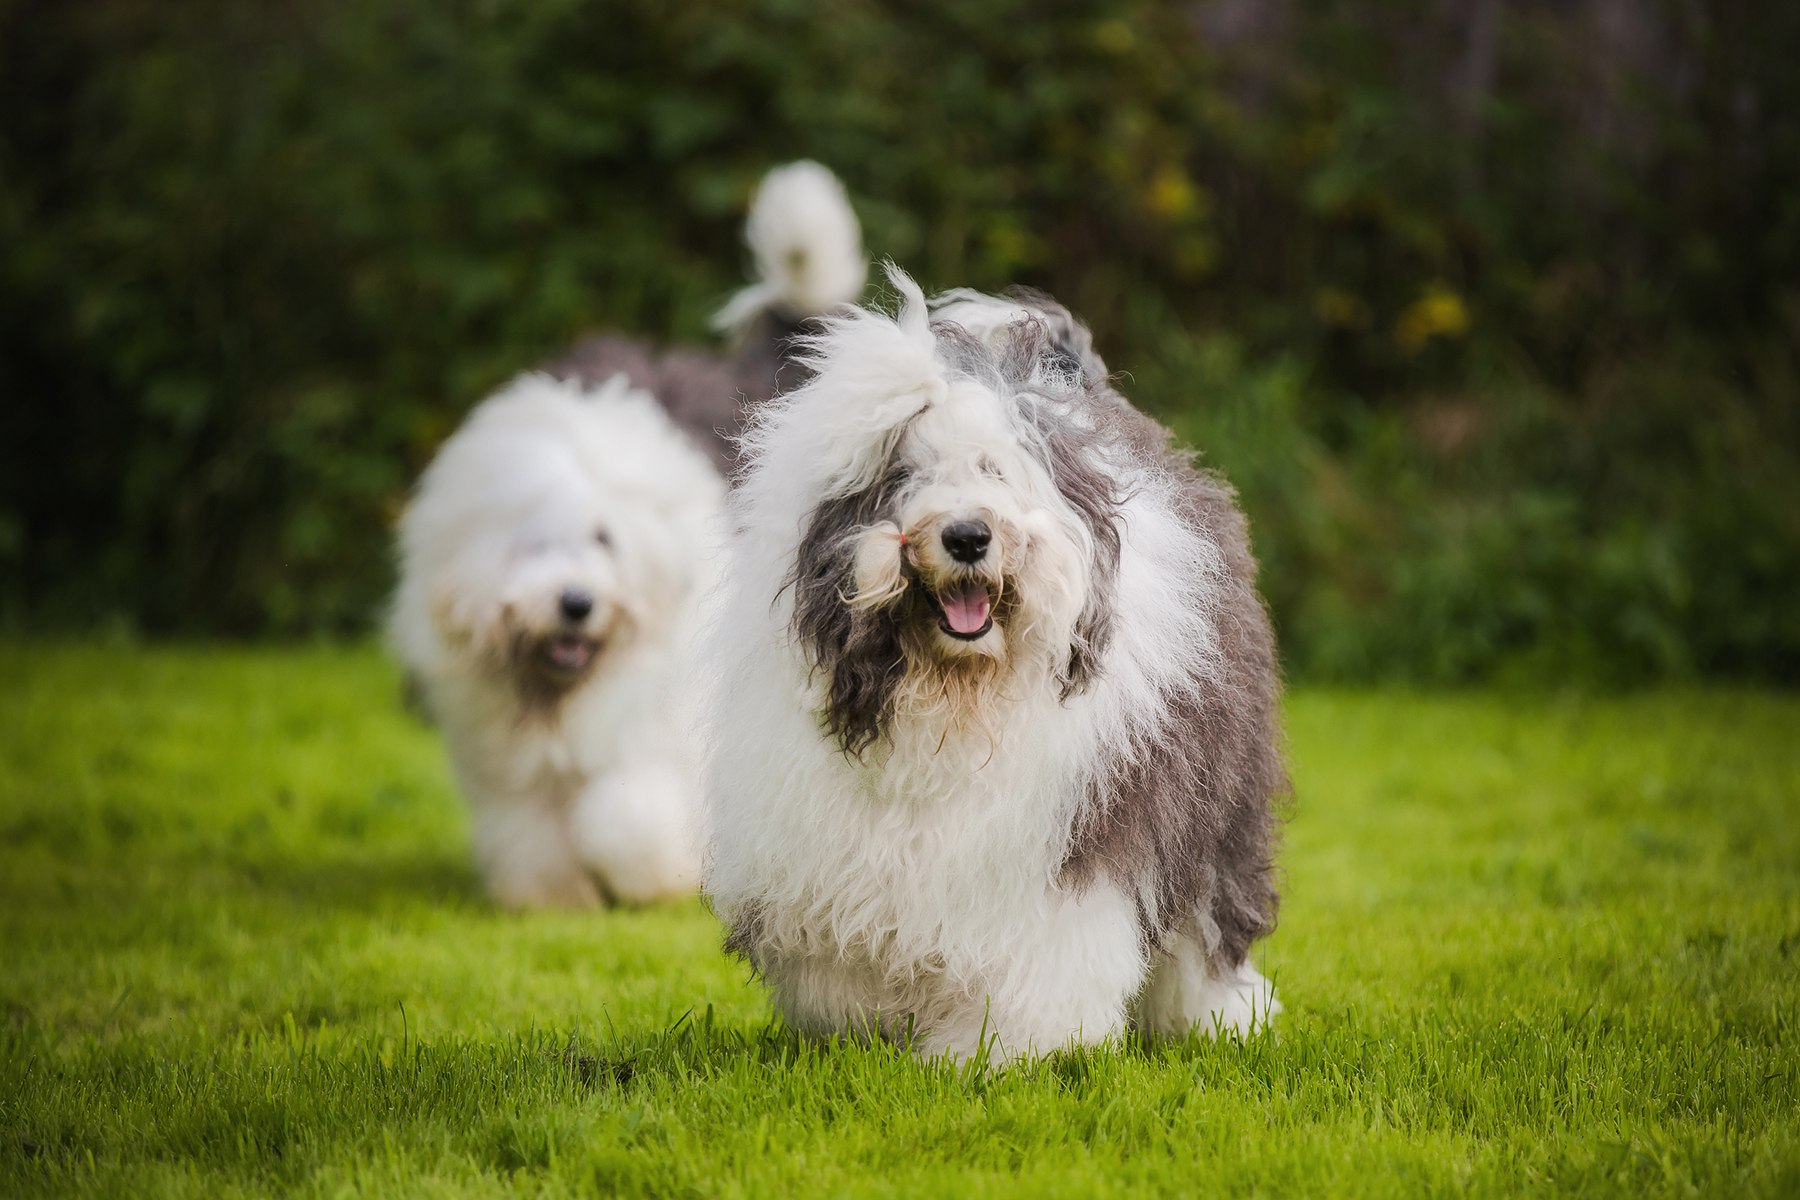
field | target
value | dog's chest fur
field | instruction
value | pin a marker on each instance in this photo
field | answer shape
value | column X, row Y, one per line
column 907, row 861
column 504, row 746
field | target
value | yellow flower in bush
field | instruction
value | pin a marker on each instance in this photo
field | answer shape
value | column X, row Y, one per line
column 1175, row 197
column 1438, row 312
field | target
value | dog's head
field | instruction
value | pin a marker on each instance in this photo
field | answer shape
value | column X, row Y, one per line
column 960, row 527
column 551, row 533
column 565, row 591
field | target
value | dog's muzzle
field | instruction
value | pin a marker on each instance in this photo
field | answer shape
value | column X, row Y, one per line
column 965, row 609
column 568, row 653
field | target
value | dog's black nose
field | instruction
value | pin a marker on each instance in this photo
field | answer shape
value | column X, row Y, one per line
column 577, row 604
column 967, row 541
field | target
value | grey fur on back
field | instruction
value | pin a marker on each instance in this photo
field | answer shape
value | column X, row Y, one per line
column 708, row 396
column 1189, row 817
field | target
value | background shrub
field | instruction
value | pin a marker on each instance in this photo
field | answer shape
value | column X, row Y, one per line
column 1490, row 311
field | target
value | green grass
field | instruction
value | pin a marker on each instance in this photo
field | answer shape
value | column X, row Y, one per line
column 1531, row 943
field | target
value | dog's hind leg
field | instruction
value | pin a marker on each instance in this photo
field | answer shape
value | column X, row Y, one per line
column 1190, row 990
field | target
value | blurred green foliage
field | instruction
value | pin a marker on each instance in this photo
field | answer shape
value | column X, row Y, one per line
column 1490, row 311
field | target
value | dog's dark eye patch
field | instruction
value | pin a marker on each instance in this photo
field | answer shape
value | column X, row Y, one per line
column 859, row 653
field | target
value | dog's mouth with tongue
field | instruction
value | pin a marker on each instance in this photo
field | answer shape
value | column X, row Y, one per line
column 569, row 653
column 965, row 610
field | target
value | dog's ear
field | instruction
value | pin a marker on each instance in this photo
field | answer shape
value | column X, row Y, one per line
column 462, row 598
column 658, row 570
column 1093, row 494
column 465, row 622
column 1068, row 345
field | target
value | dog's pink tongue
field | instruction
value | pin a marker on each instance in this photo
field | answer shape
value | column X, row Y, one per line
column 571, row 654
column 966, row 611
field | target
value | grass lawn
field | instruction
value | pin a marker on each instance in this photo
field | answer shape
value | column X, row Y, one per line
column 1531, row 943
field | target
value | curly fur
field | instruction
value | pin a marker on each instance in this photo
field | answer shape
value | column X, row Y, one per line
column 1038, row 831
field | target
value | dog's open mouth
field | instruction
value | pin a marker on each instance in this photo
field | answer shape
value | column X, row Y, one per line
column 965, row 610
column 569, row 653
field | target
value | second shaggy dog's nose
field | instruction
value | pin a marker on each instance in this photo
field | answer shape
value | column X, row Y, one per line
column 967, row 541
column 577, row 604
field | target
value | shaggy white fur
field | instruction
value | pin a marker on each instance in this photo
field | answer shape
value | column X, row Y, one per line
column 915, row 884
column 553, row 567
column 807, row 247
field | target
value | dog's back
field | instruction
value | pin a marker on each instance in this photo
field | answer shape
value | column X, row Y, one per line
column 808, row 263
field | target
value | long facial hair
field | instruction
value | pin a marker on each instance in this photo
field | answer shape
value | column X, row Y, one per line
column 543, row 688
column 861, row 651
column 881, row 660
column 891, row 667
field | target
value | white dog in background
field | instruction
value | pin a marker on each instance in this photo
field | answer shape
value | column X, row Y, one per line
column 553, row 568
column 555, row 564
column 996, row 760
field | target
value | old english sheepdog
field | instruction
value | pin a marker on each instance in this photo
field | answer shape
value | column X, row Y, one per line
column 996, row 763
column 555, row 565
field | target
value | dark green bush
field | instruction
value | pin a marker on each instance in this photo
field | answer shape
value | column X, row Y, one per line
column 1490, row 311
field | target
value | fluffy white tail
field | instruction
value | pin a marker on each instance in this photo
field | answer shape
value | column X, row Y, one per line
column 807, row 246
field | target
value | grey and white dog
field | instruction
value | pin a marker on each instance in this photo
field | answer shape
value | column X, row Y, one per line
column 996, row 761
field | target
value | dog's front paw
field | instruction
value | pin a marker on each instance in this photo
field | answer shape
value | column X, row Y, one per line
column 1241, row 1006
column 1187, row 993
column 632, row 829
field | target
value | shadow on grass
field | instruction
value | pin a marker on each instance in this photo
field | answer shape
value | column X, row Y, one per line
column 346, row 886
column 699, row 1045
